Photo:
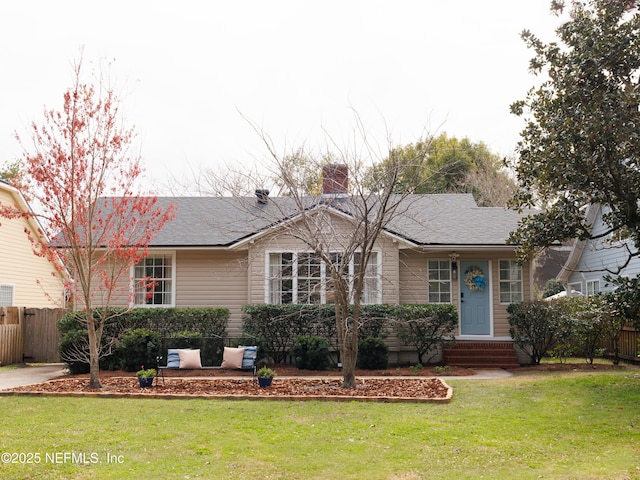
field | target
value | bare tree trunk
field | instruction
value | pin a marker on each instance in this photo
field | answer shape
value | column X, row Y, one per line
column 94, row 351
column 350, row 356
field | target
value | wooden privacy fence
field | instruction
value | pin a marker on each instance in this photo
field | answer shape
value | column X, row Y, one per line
column 628, row 343
column 11, row 335
column 41, row 336
column 29, row 334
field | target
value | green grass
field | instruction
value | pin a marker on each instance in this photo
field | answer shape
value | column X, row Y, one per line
column 551, row 426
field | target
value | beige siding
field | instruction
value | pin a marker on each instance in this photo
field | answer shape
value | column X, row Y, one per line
column 413, row 281
column 204, row 278
column 35, row 281
column 213, row 279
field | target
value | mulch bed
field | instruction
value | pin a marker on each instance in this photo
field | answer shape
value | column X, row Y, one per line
column 291, row 383
column 367, row 389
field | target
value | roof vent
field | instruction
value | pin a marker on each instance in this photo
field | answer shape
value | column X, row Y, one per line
column 262, row 195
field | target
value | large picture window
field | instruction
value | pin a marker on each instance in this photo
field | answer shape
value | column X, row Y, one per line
column 302, row 278
column 439, row 281
column 153, row 280
column 510, row 281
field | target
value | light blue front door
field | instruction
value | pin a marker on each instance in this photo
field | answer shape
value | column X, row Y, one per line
column 475, row 311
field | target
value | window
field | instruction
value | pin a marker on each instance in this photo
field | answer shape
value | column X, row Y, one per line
column 302, row 277
column 593, row 287
column 439, row 281
column 153, row 280
column 309, row 278
column 575, row 288
column 281, row 278
column 371, row 292
column 510, row 282
column 6, row 295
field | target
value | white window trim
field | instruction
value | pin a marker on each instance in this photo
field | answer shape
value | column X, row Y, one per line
column 500, row 281
column 323, row 275
column 448, row 260
column 575, row 287
column 378, row 275
column 132, row 275
column 13, row 292
column 592, row 282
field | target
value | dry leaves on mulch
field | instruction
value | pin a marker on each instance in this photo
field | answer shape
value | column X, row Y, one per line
column 382, row 389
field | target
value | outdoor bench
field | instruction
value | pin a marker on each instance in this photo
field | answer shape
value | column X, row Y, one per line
column 241, row 358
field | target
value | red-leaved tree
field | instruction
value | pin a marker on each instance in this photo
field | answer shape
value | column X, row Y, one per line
column 81, row 177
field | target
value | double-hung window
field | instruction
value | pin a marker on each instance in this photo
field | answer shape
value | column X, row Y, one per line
column 510, row 282
column 303, row 278
column 439, row 283
column 371, row 291
column 154, row 281
column 593, row 287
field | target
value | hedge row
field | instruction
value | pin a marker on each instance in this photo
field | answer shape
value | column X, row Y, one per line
column 166, row 321
column 132, row 338
column 425, row 327
column 574, row 326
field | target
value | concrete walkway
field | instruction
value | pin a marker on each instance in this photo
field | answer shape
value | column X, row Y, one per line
column 481, row 374
column 25, row 375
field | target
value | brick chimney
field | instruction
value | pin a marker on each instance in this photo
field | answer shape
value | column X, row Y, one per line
column 335, row 180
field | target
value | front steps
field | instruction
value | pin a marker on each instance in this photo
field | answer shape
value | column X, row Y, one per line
column 481, row 355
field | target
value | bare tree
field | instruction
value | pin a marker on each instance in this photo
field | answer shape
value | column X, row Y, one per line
column 341, row 225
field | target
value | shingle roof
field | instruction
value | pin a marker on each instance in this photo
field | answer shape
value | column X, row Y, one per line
column 443, row 219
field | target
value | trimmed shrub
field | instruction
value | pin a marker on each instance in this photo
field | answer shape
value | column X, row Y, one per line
column 373, row 354
column 310, row 352
column 276, row 325
column 136, row 348
column 74, row 341
column 208, row 322
column 69, row 341
column 583, row 325
column 74, row 345
column 427, row 327
column 374, row 320
column 534, row 327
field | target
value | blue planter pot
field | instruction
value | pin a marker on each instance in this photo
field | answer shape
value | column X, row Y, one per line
column 264, row 382
column 145, row 382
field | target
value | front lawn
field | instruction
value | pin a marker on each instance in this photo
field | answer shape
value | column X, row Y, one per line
column 551, row 425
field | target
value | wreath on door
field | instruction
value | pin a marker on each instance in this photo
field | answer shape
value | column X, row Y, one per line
column 474, row 279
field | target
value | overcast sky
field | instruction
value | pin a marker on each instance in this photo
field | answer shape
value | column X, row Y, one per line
column 189, row 71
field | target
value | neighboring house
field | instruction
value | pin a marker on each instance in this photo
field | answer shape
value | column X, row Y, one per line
column 592, row 260
column 26, row 279
column 233, row 251
column 549, row 262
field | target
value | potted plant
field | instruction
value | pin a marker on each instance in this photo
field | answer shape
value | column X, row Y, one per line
column 265, row 377
column 146, row 376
